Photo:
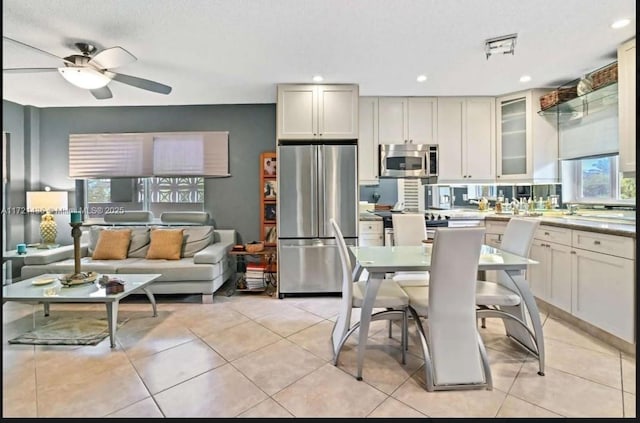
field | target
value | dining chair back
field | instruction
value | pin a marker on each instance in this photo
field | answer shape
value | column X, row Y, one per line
column 453, row 351
column 409, row 229
column 509, row 296
column 390, row 297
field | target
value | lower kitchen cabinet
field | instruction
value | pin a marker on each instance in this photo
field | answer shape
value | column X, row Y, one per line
column 550, row 279
column 370, row 233
column 603, row 282
column 587, row 274
column 603, row 292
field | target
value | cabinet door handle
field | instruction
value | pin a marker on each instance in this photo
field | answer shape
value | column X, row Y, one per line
column 596, row 242
column 468, row 176
column 546, row 233
column 573, row 252
column 497, row 176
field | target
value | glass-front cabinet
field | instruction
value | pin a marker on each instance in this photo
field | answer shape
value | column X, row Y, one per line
column 512, row 137
column 527, row 143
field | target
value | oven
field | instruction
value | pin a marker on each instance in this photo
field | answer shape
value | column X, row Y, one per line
column 431, row 221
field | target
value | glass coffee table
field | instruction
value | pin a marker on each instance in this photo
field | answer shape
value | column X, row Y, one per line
column 38, row 290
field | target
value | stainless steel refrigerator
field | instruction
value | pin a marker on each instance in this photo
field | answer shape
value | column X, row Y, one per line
column 316, row 182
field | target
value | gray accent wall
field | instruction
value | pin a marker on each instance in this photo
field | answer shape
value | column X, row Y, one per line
column 233, row 202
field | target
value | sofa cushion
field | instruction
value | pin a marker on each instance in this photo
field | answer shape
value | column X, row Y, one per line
column 165, row 244
column 139, row 239
column 173, row 270
column 112, row 245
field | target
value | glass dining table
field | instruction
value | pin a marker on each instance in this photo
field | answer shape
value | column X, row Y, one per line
column 380, row 260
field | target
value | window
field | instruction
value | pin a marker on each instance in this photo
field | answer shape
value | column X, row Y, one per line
column 155, row 194
column 596, row 180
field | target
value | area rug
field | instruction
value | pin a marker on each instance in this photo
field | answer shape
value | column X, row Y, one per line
column 76, row 330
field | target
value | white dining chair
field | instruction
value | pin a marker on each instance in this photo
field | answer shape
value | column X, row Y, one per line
column 454, row 353
column 509, row 297
column 390, row 297
column 409, row 229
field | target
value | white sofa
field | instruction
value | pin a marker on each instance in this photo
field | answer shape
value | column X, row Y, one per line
column 205, row 262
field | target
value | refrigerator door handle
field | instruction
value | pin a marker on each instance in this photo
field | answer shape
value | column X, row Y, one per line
column 314, row 190
column 321, row 190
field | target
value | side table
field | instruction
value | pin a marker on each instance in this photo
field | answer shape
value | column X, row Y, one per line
column 12, row 263
column 267, row 256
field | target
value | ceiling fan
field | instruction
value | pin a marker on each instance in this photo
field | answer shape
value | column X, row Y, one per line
column 91, row 69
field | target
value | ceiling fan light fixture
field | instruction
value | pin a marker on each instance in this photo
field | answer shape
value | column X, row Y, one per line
column 84, row 77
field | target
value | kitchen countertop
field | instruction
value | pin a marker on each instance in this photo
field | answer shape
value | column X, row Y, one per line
column 601, row 225
column 369, row 216
column 609, row 226
column 581, row 223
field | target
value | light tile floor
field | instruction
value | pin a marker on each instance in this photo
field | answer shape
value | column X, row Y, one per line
column 256, row 356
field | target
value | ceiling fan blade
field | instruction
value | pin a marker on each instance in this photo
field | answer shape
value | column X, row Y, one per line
column 102, row 93
column 134, row 81
column 112, row 58
column 36, row 48
column 28, row 70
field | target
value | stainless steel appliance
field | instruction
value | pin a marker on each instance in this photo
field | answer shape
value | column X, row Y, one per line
column 316, row 182
column 408, row 161
column 431, row 222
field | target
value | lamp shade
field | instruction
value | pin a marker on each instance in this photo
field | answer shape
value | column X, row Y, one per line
column 47, row 200
column 84, row 77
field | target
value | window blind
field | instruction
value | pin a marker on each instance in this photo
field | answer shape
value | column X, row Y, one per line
column 109, row 155
column 149, row 154
column 594, row 134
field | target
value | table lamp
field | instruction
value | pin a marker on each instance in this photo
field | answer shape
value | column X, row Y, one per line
column 45, row 201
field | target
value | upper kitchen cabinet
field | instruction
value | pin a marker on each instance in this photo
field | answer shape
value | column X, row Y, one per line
column 407, row 120
column 317, row 112
column 527, row 143
column 627, row 106
column 466, row 139
column 368, row 141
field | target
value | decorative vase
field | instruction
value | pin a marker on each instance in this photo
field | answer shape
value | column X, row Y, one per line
column 48, row 229
column 585, row 85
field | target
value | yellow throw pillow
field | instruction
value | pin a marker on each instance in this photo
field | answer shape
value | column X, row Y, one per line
column 165, row 244
column 112, row 245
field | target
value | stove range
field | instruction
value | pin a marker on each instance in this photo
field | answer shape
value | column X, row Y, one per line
column 430, row 219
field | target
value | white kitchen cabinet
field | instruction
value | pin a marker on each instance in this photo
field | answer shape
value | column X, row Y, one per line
column 587, row 274
column 627, row 106
column 317, row 112
column 407, row 120
column 527, row 143
column 466, row 139
column 368, row 141
column 604, row 292
column 493, row 237
column 550, row 279
column 370, row 233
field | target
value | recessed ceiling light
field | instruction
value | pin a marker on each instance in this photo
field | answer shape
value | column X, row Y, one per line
column 525, row 78
column 421, row 78
column 620, row 23
column 318, row 78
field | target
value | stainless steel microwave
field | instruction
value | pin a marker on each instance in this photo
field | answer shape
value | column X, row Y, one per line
column 408, row 160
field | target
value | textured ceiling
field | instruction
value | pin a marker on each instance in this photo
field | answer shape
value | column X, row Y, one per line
column 236, row 51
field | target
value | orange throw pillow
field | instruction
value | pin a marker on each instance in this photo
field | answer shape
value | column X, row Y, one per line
column 165, row 244
column 112, row 245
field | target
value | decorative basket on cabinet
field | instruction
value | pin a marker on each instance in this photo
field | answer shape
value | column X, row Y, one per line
column 557, row 96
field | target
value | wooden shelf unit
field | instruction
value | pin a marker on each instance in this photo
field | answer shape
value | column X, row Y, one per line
column 268, row 198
